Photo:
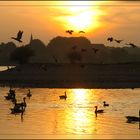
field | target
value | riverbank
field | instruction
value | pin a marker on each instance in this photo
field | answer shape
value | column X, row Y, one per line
column 72, row 76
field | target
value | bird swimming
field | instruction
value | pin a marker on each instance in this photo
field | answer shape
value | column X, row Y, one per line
column 133, row 118
column 63, row 96
column 98, row 111
column 22, row 103
column 105, row 104
column 19, row 36
column 29, row 93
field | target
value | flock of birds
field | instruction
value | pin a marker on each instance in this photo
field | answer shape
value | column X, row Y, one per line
column 100, row 111
column 18, row 107
column 111, row 39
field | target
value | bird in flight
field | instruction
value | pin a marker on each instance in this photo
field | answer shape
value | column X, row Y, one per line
column 95, row 50
column 19, row 36
column 69, row 31
column 118, row 41
column 133, row 45
column 81, row 31
column 55, row 59
column 110, row 39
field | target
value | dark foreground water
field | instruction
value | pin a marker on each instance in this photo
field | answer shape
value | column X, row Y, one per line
column 47, row 116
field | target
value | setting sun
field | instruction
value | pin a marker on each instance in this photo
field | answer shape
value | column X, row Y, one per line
column 80, row 17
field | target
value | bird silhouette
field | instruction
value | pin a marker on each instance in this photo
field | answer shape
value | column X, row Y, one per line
column 55, row 59
column 29, row 93
column 19, row 36
column 98, row 111
column 95, row 50
column 110, row 39
column 81, row 31
column 69, row 31
column 63, row 96
column 118, row 41
column 105, row 104
column 132, row 45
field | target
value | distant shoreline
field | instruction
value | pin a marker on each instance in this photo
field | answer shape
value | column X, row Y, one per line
column 119, row 76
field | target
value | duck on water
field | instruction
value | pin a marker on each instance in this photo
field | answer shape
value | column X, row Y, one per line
column 133, row 118
column 63, row 96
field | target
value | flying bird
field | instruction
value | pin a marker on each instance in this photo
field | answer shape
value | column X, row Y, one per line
column 95, row 50
column 55, row 59
column 110, row 39
column 118, row 41
column 133, row 45
column 19, row 36
column 81, row 31
column 69, row 31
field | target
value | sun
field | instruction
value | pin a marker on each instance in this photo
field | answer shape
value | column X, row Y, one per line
column 82, row 21
column 80, row 17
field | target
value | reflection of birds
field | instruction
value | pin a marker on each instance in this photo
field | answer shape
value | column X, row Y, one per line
column 83, row 50
column 118, row 41
column 105, row 104
column 98, row 111
column 19, row 36
column 131, row 44
column 95, row 50
column 110, row 39
column 81, row 31
column 63, row 96
column 69, row 31
column 55, row 59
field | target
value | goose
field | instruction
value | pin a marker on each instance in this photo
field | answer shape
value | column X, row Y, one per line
column 98, row 111
column 22, row 104
column 63, row 96
column 29, row 93
column 19, row 36
column 133, row 118
column 105, row 104
column 17, row 109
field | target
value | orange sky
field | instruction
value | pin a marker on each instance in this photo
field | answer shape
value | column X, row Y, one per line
column 46, row 20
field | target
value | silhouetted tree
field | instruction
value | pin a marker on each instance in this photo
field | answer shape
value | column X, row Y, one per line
column 22, row 54
column 74, row 57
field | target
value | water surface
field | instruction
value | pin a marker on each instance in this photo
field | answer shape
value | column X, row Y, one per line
column 47, row 115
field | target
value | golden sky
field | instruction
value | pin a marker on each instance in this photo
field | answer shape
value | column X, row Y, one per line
column 46, row 20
